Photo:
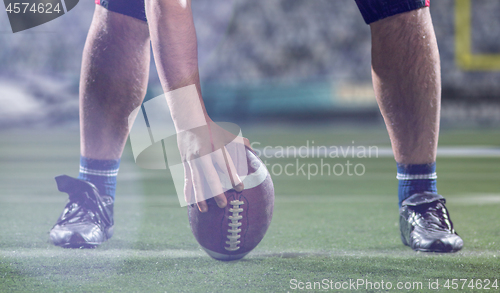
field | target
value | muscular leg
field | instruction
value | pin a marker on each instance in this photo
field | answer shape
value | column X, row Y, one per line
column 113, row 82
column 407, row 83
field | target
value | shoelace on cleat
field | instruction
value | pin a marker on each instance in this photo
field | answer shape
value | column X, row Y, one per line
column 432, row 217
column 84, row 207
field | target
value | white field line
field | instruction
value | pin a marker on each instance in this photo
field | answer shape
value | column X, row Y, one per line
column 118, row 255
column 110, row 253
column 137, row 201
column 477, row 199
column 354, row 151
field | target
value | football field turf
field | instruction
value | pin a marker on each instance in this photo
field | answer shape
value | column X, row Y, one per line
column 337, row 231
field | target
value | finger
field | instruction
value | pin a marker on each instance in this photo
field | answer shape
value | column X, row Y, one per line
column 197, row 186
column 213, row 180
column 221, row 200
column 203, row 168
column 246, row 142
column 224, row 159
column 188, row 184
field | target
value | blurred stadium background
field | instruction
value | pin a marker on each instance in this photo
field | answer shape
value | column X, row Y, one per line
column 291, row 73
column 307, row 58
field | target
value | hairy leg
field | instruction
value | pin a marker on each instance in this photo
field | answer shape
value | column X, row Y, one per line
column 407, row 83
column 115, row 69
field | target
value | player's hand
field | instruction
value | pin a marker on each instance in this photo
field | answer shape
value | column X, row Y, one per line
column 204, row 151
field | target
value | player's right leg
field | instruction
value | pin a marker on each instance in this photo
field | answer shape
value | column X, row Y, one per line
column 407, row 83
column 113, row 82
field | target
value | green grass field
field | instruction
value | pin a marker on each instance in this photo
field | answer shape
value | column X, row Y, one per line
column 338, row 228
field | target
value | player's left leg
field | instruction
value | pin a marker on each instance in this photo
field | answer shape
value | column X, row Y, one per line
column 113, row 82
column 407, row 83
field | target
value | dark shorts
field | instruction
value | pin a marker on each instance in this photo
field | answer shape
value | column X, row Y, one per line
column 133, row 8
column 372, row 10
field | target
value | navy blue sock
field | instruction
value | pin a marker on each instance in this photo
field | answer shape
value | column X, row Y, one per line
column 415, row 179
column 101, row 173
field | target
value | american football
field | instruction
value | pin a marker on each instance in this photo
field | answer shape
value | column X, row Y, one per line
column 232, row 232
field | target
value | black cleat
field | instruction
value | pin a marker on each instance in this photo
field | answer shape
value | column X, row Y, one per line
column 87, row 219
column 425, row 224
